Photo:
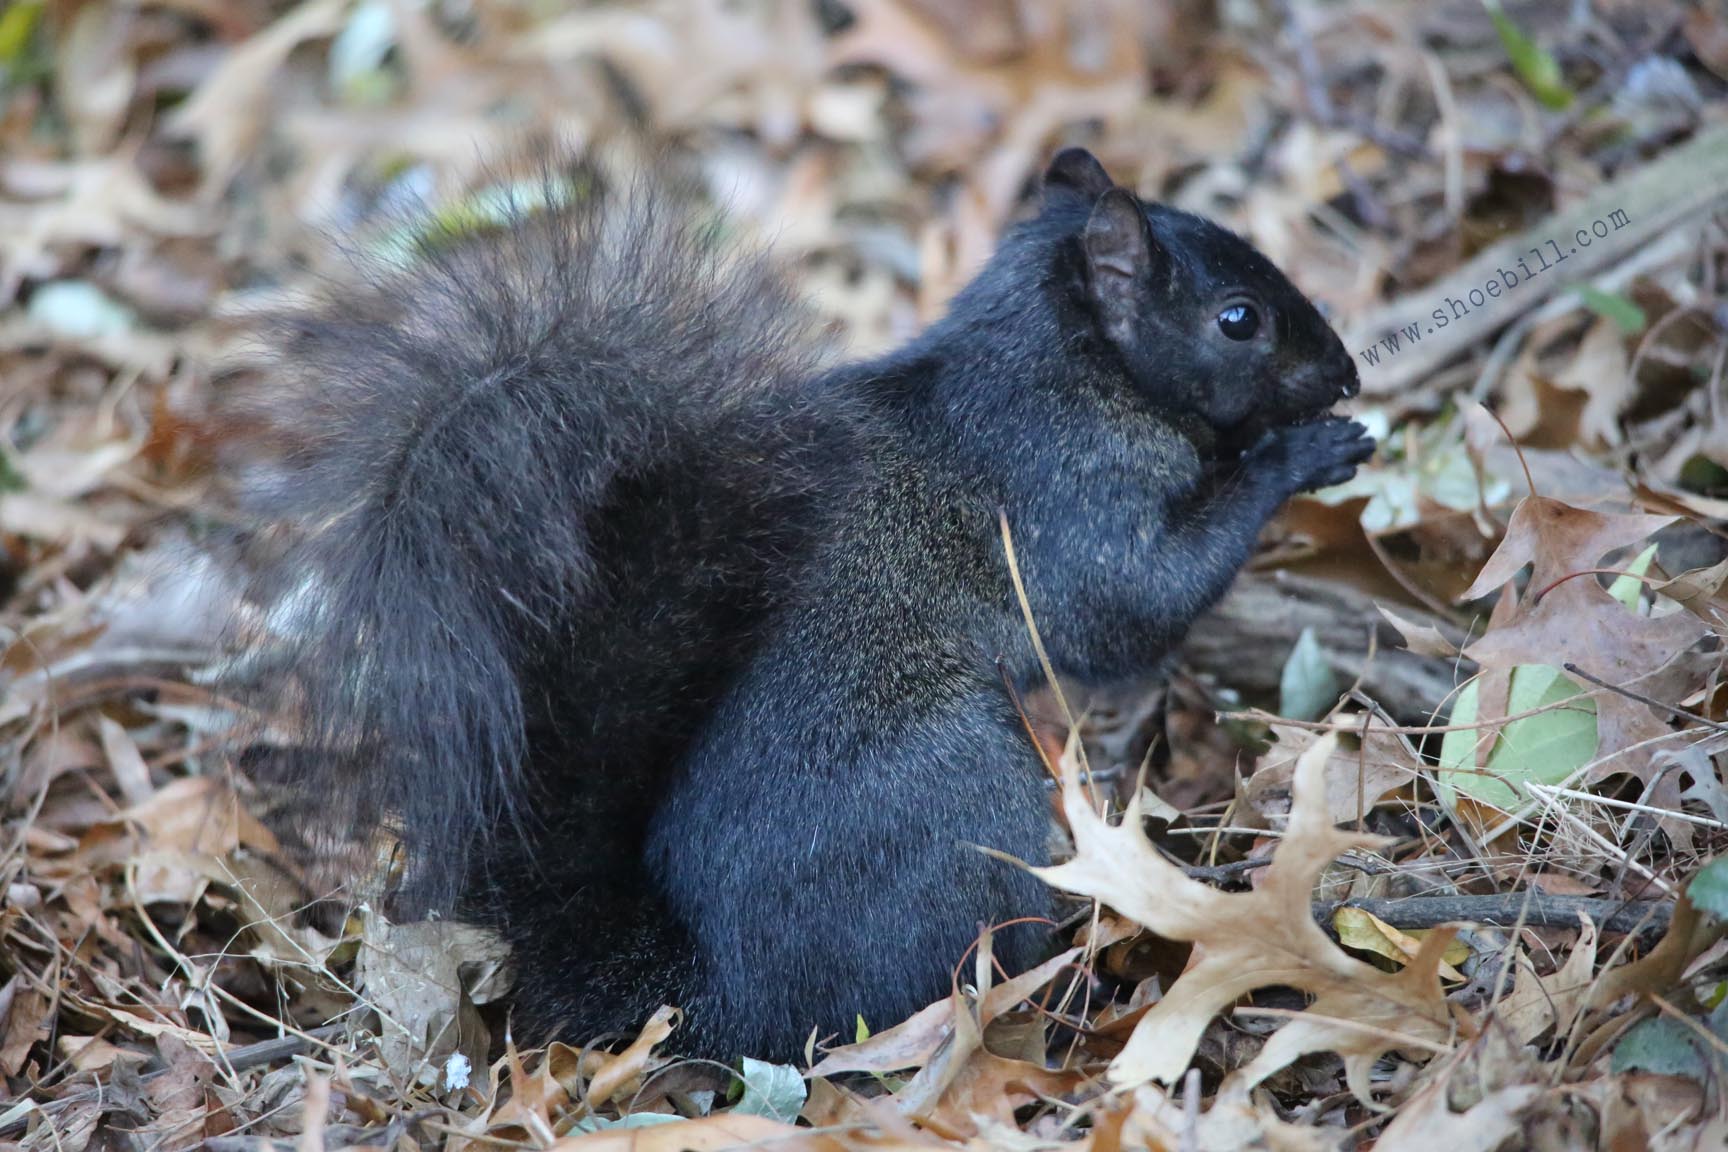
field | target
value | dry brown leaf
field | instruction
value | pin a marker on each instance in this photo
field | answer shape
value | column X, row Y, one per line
column 707, row 1134
column 94, row 1054
column 100, row 203
column 961, row 1079
column 1405, row 1011
column 70, row 1131
column 1234, row 1122
column 1427, row 1124
column 912, row 46
column 1565, row 616
column 1011, row 109
column 1657, row 973
column 911, row 1043
column 629, row 1065
column 181, row 1095
column 992, row 1087
column 126, row 762
column 314, row 1112
column 58, row 521
column 70, row 465
column 424, row 980
column 194, row 815
column 699, row 61
column 1600, row 370
column 1539, row 1004
column 1212, row 126
column 1579, row 623
column 172, row 877
column 27, row 1010
column 155, row 1027
column 1250, row 940
column 1699, row 591
column 526, row 1116
column 227, row 111
column 1559, row 540
column 1356, row 778
column 94, row 76
column 1422, row 639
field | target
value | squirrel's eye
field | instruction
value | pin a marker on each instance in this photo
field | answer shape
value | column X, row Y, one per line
column 1239, row 322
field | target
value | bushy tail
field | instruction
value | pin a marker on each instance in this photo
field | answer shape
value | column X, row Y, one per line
column 586, row 428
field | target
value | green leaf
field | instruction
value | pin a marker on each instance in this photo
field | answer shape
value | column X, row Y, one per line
column 1545, row 748
column 1709, row 889
column 1308, row 687
column 1702, row 474
column 1661, row 1045
column 1627, row 588
column 481, row 211
column 862, row 1032
column 1534, row 64
column 11, row 480
column 1615, row 307
column 17, row 25
column 773, row 1090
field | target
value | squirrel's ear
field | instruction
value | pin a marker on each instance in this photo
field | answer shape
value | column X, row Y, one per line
column 1078, row 170
column 1120, row 254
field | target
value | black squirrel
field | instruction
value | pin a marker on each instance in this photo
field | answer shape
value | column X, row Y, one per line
column 690, row 665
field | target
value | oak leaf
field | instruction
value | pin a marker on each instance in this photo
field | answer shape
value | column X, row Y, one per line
column 912, row 1042
column 1557, row 540
column 1233, row 1122
column 1357, row 778
column 1426, row 1124
column 1244, row 941
column 1566, row 617
column 1541, row 1004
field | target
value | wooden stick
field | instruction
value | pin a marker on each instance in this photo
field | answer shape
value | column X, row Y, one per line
column 1686, row 182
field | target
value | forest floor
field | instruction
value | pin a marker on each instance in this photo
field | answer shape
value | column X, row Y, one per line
column 1414, row 850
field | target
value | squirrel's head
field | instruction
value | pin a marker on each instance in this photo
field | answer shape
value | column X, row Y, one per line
column 1199, row 317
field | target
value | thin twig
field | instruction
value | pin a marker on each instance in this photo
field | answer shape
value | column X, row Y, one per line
column 1679, row 713
column 239, row 1060
column 1627, row 806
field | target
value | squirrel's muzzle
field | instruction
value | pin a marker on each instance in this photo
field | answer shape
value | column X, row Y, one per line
column 1351, row 383
column 1320, row 383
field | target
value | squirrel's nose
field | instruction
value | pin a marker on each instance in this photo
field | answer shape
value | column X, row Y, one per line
column 1345, row 367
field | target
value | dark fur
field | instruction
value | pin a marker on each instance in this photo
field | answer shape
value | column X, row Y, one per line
column 685, row 663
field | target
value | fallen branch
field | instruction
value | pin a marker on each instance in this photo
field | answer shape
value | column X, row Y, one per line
column 1655, row 197
column 1510, row 909
column 1244, row 642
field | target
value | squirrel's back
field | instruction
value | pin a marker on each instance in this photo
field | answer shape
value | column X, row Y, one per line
column 534, row 491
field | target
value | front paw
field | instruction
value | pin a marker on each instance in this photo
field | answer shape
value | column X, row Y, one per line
column 1315, row 455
